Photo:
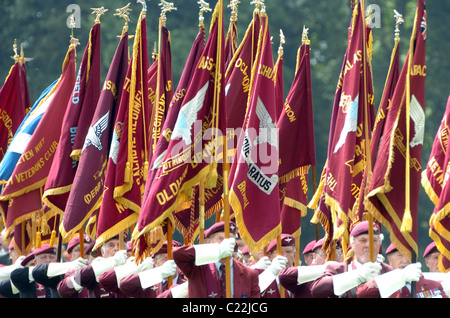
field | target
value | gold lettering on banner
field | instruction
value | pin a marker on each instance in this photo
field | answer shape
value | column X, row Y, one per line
column 289, row 112
column 40, row 162
column 244, row 69
column 420, row 70
column 242, row 189
column 443, row 137
column 357, row 57
column 436, row 170
column 167, row 195
column 398, row 141
column 7, row 122
column 331, row 182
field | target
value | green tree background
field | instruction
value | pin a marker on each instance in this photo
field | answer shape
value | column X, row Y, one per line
column 40, row 26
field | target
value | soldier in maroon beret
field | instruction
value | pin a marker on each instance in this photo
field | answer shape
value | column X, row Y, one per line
column 201, row 264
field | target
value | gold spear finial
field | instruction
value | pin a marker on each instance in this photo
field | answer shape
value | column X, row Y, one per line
column 305, row 38
column 234, row 9
column 72, row 24
column 166, row 7
column 98, row 13
column 282, row 41
column 259, row 5
column 124, row 13
column 144, row 4
column 398, row 20
column 204, row 7
column 16, row 54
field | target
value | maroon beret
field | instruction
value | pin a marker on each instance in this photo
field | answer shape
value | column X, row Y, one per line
column 431, row 248
column 391, row 248
column 286, row 240
column 219, row 227
column 76, row 240
column 309, row 247
column 318, row 244
column 163, row 248
column 44, row 249
column 363, row 228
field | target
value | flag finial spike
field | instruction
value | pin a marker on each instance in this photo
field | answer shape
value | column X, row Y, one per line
column 16, row 55
column 204, row 7
column 98, row 13
column 282, row 41
column 144, row 4
column 234, row 9
column 305, row 38
column 72, row 25
column 124, row 13
column 398, row 20
column 259, row 5
column 166, row 7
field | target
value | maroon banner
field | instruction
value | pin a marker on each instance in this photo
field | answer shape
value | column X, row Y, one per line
column 128, row 159
column 351, row 124
column 30, row 173
column 436, row 186
column 191, row 153
column 389, row 185
column 14, row 103
column 75, row 126
column 164, row 89
column 254, row 192
column 296, row 156
column 90, row 175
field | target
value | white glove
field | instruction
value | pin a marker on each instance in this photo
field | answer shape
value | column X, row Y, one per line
column 56, row 269
column 411, row 273
column 380, row 258
column 180, row 291
column 309, row 273
column 226, row 247
column 168, row 269
column 263, row 263
column 270, row 274
column 156, row 275
column 446, row 286
column 345, row 281
column 106, row 264
column 130, row 268
column 390, row 282
column 278, row 263
column 5, row 271
column 210, row 253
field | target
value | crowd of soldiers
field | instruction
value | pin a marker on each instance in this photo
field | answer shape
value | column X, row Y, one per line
column 198, row 271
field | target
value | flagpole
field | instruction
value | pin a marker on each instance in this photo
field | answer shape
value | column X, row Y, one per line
column 201, row 218
column 366, row 128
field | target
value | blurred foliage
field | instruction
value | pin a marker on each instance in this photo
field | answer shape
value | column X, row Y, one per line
column 43, row 32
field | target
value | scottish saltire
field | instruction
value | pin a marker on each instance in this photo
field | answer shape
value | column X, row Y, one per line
column 164, row 88
column 90, row 175
column 435, row 183
column 351, row 124
column 380, row 120
column 128, row 156
column 193, row 153
column 296, row 156
column 21, row 196
column 396, row 178
column 24, row 133
column 14, row 103
column 254, row 191
column 75, row 126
